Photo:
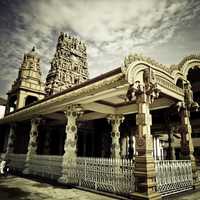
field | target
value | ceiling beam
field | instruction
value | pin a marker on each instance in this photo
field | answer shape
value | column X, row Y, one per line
column 92, row 116
column 98, row 107
column 132, row 108
column 104, row 95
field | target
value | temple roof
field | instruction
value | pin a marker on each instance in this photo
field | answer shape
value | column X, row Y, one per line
column 168, row 68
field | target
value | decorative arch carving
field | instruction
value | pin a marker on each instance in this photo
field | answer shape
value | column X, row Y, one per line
column 135, row 66
column 188, row 63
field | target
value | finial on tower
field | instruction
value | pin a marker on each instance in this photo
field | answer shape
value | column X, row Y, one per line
column 33, row 49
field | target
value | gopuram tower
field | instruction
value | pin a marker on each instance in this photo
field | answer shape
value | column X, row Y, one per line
column 69, row 65
column 28, row 87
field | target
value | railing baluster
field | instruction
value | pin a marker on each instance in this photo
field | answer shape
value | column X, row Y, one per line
column 173, row 176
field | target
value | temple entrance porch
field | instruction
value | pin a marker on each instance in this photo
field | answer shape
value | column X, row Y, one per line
column 104, row 134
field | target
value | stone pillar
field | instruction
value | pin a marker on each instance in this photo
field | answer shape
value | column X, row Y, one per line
column 145, row 174
column 21, row 100
column 32, row 146
column 60, row 142
column 127, row 146
column 158, row 148
column 131, row 147
column 144, row 162
column 84, row 136
column 171, row 149
column 161, row 151
column 154, row 148
column 11, row 139
column 123, row 147
column 47, row 141
column 185, row 130
column 187, row 148
column 93, row 144
column 134, row 147
column 70, row 146
column 115, row 121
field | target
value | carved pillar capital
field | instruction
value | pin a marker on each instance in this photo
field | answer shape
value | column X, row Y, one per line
column 73, row 110
column 115, row 120
column 36, row 121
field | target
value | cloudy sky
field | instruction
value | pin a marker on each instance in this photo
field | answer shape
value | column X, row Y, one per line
column 165, row 30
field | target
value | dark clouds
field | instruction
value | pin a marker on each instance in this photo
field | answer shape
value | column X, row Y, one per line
column 166, row 30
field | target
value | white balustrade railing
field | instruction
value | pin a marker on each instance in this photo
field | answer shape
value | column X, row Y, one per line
column 48, row 166
column 173, row 176
column 17, row 161
column 104, row 174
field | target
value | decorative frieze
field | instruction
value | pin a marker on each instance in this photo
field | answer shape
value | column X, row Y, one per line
column 136, row 57
column 169, row 85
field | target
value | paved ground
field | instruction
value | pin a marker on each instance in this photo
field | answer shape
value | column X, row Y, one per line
column 190, row 195
column 17, row 188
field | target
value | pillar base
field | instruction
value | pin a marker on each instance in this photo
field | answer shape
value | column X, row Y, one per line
column 64, row 180
column 142, row 196
column 196, row 186
column 26, row 171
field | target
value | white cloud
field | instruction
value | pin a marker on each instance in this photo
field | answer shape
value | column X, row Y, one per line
column 111, row 29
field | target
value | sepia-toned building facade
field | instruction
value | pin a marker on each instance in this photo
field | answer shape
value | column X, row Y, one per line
column 133, row 131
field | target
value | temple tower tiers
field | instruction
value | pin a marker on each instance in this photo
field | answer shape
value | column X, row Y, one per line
column 69, row 65
column 28, row 86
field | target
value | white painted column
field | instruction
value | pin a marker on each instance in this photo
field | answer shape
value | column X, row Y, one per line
column 11, row 139
column 158, row 148
column 115, row 121
column 123, row 147
column 154, row 148
column 84, row 143
column 70, row 147
column 32, row 146
column 161, row 151
column 134, row 147
column 47, row 141
column 127, row 146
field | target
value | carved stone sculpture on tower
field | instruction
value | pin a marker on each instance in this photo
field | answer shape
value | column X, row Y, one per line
column 69, row 65
column 28, row 87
